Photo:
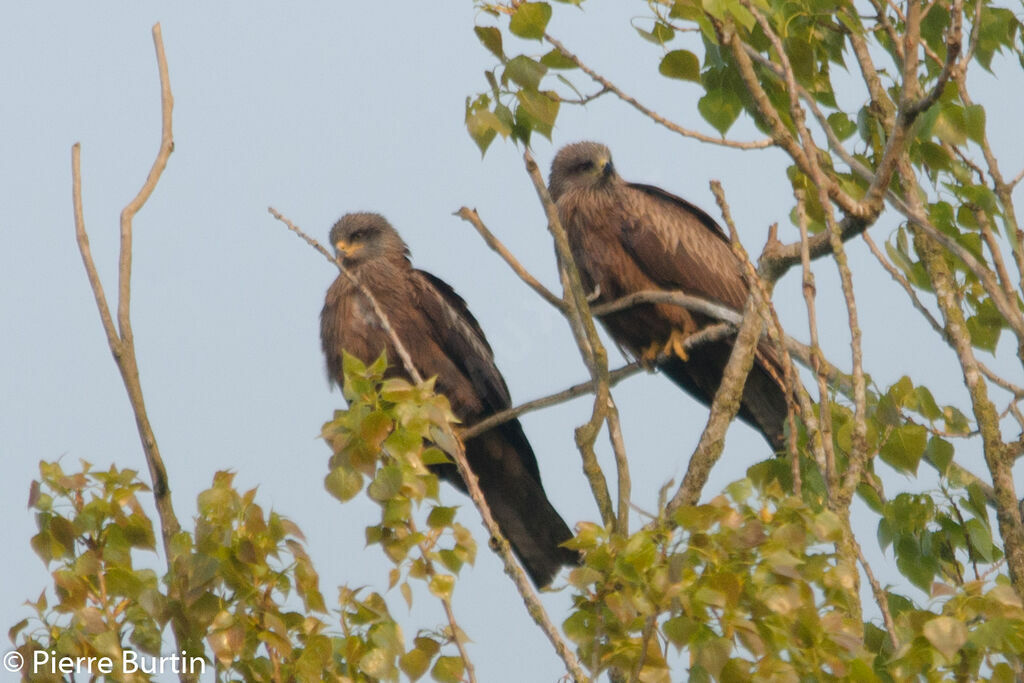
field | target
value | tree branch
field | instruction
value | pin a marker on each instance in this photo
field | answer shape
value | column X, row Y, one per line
column 729, row 394
column 595, row 356
column 649, row 113
column 705, row 336
column 473, row 218
column 122, row 344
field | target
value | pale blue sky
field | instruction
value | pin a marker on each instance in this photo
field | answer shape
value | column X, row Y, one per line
column 318, row 110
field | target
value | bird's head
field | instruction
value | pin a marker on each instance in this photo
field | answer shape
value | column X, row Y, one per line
column 361, row 237
column 581, row 165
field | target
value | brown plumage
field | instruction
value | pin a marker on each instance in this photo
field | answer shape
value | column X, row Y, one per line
column 628, row 237
column 443, row 340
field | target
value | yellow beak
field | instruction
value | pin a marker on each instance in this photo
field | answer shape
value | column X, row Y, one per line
column 346, row 249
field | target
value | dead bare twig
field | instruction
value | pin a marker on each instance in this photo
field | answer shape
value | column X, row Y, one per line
column 121, row 340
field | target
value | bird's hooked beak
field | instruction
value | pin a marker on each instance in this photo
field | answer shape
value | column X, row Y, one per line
column 606, row 167
column 345, row 249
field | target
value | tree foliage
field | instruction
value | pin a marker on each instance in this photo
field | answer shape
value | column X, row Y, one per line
column 872, row 104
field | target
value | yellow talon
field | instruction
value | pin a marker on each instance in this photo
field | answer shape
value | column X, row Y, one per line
column 649, row 355
column 675, row 345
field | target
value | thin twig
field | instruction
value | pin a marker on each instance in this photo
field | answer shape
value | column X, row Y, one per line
column 905, row 284
column 705, row 336
column 457, row 634
column 594, row 356
column 729, row 395
column 724, row 406
column 821, row 438
column 653, row 115
column 881, row 596
column 473, row 218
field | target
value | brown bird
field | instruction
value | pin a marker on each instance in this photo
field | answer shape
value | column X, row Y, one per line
column 443, row 340
column 628, row 237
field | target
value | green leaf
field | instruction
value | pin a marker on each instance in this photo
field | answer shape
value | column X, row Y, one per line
column 530, row 20
column 926, row 404
column 939, row 453
column 981, row 539
column 556, row 60
column 440, row 517
column 343, row 484
column 741, row 14
column 448, row 669
column 842, row 125
column 483, row 125
column 720, row 108
column 660, row 34
column 681, row 64
column 442, row 585
column 946, row 634
column 490, row 37
column 414, row 663
column 580, row 627
column 974, row 122
column 679, row 630
column 540, row 110
column 985, row 326
column 525, row 72
column 905, row 446
column 950, row 126
column 386, row 485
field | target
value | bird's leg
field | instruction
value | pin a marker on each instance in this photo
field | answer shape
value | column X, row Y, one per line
column 593, row 296
column 674, row 345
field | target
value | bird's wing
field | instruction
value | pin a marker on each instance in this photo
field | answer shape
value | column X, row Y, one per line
column 459, row 335
column 680, row 246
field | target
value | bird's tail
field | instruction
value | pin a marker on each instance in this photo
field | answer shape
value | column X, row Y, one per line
column 763, row 405
column 519, row 505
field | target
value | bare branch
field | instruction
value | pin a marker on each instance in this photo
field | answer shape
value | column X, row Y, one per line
column 129, row 211
column 821, row 438
column 902, row 281
column 729, row 394
column 651, row 114
column 954, row 44
column 658, row 296
column 881, row 596
column 1004, row 492
column 83, row 247
column 594, row 355
column 723, row 408
column 705, row 336
column 121, row 340
column 473, row 218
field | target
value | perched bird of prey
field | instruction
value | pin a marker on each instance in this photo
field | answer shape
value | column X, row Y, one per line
column 443, row 339
column 628, row 237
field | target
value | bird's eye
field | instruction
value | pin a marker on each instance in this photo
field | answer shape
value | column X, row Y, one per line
column 358, row 235
column 587, row 165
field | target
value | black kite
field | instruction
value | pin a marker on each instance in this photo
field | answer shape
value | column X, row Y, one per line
column 443, row 340
column 628, row 237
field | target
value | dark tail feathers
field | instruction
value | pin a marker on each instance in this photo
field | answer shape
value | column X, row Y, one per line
column 519, row 505
column 763, row 405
